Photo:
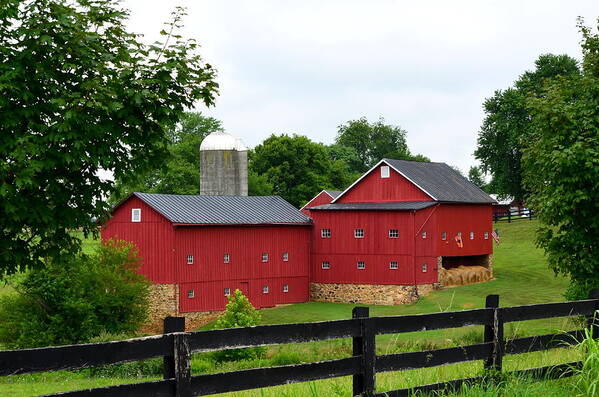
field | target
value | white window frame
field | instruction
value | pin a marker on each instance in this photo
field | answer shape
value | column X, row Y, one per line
column 393, row 265
column 486, row 235
column 285, row 288
column 325, row 233
column 423, row 234
column 191, row 293
column 265, row 257
column 443, row 235
column 190, row 259
column 424, row 267
column 361, row 265
column 358, row 233
column 385, row 171
column 227, row 258
column 227, row 291
column 471, row 235
column 459, row 234
column 393, row 233
column 285, row 256
column 326, row 265
column 136, row 215
column 265, row 289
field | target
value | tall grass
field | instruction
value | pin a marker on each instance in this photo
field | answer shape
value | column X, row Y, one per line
column 587, row 379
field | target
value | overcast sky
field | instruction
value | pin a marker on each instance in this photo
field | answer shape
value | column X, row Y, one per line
column 307, row 66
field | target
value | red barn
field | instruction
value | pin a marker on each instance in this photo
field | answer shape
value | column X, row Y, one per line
column 324, row 197
column 198, row 249
column 397, row 232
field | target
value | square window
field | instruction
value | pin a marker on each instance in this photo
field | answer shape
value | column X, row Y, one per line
column 136, row 215
column 393, row 233
column 423, row 234
column 460, row 234
column 471, row 235
column 385, row 171
column 265, row 257
column 359, row 233
column 424, row 267
column 326, row 265
column 226, row 258
column 190, row 259
column 190, row 294
column 265, row 289
column 361, row 265
column 443, row 235
column 486, row 235
column 393, row 265
column 325, row 233
column 285, row 288
column 227, row 291
column 285, row 256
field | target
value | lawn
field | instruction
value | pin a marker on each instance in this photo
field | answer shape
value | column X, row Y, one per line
column 521, row 275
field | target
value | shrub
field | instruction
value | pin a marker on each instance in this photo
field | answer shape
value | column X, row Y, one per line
column 239, row 313
column 76, row 299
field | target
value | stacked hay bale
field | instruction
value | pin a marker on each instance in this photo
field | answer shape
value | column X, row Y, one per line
column 463, row 275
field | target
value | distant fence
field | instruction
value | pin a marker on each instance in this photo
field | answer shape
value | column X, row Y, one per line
column 176, row 347
column 509, row 216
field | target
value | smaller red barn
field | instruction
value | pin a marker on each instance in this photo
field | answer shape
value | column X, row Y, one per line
column 324, row 197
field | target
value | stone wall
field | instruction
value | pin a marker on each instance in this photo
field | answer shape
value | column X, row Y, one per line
column 164, row 302
column 368, row 294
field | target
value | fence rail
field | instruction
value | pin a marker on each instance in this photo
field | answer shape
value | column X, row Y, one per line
column 513, row 215
column 177, row 347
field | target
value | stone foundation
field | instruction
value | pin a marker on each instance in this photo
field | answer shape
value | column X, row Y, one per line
column 164, row 302
column 368, row 294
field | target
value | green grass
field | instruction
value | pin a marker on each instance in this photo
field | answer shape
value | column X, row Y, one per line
column 521, row 275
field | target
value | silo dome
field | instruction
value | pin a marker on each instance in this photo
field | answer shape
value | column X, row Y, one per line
column 221, row 140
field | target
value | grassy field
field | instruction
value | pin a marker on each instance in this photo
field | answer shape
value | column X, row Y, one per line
column 521, row 275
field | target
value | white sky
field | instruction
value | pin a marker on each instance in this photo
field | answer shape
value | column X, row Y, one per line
column 307, row 66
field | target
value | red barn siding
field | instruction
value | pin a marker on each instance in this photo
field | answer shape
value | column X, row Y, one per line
column 373, row 188
column 321, row 198
column 454, row 218
column 153, row 237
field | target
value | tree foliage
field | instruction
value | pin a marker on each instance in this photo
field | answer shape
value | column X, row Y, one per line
column 562, row 170
column 79, row 93
column 476, row 176
column 507, row 124
column 76, row 299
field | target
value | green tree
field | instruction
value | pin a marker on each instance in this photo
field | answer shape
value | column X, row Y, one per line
column 507, row 124
column 79, row 93
column 76, row 299
column 561, row 165
column 296, row 167
column 476, row 176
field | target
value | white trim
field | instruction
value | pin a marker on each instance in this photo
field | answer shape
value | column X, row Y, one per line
column 372, row 169
column 314, row 198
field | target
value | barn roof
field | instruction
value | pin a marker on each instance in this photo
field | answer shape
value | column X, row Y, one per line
column 255, row 210
column 377, row 206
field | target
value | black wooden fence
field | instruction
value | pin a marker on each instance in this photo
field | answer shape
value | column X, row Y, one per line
column 176, row 347
column 510, row 216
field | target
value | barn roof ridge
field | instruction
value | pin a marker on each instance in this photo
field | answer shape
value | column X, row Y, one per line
column 205, row 210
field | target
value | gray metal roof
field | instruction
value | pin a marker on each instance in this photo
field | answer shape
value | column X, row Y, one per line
column 384, row 206
column 441, row 181
column 334, row 193
column 223, row 209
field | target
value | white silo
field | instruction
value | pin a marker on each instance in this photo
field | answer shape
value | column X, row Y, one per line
column 223, row 166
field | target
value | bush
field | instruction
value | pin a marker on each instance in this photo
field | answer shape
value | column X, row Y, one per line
column 76, row 299
column 239, row 313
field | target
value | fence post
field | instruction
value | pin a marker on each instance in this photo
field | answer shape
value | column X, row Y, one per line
column 494, row 334
column 364, row 384
column 182, row 365
column 593, row 319
column 509, row 217
column 170, row 325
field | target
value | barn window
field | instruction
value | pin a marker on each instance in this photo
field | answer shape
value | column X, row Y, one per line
column 361, row 265
column 136, row 215
column 285, row 256
column 393, row 265
column 264, row 257
column 265, row 289
column 359, row 233
column 227, row 291
column 423, row 234
column 325, row 233
column 393, row 233
column 227, row 258
column 326, row 265
column 486, row 235
column 471, row 235
column 190, row 259
column 460, row 234
column 424, row 267
column 285, row 288
column 191, row 294
column 385, row 171
column 443, row 235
